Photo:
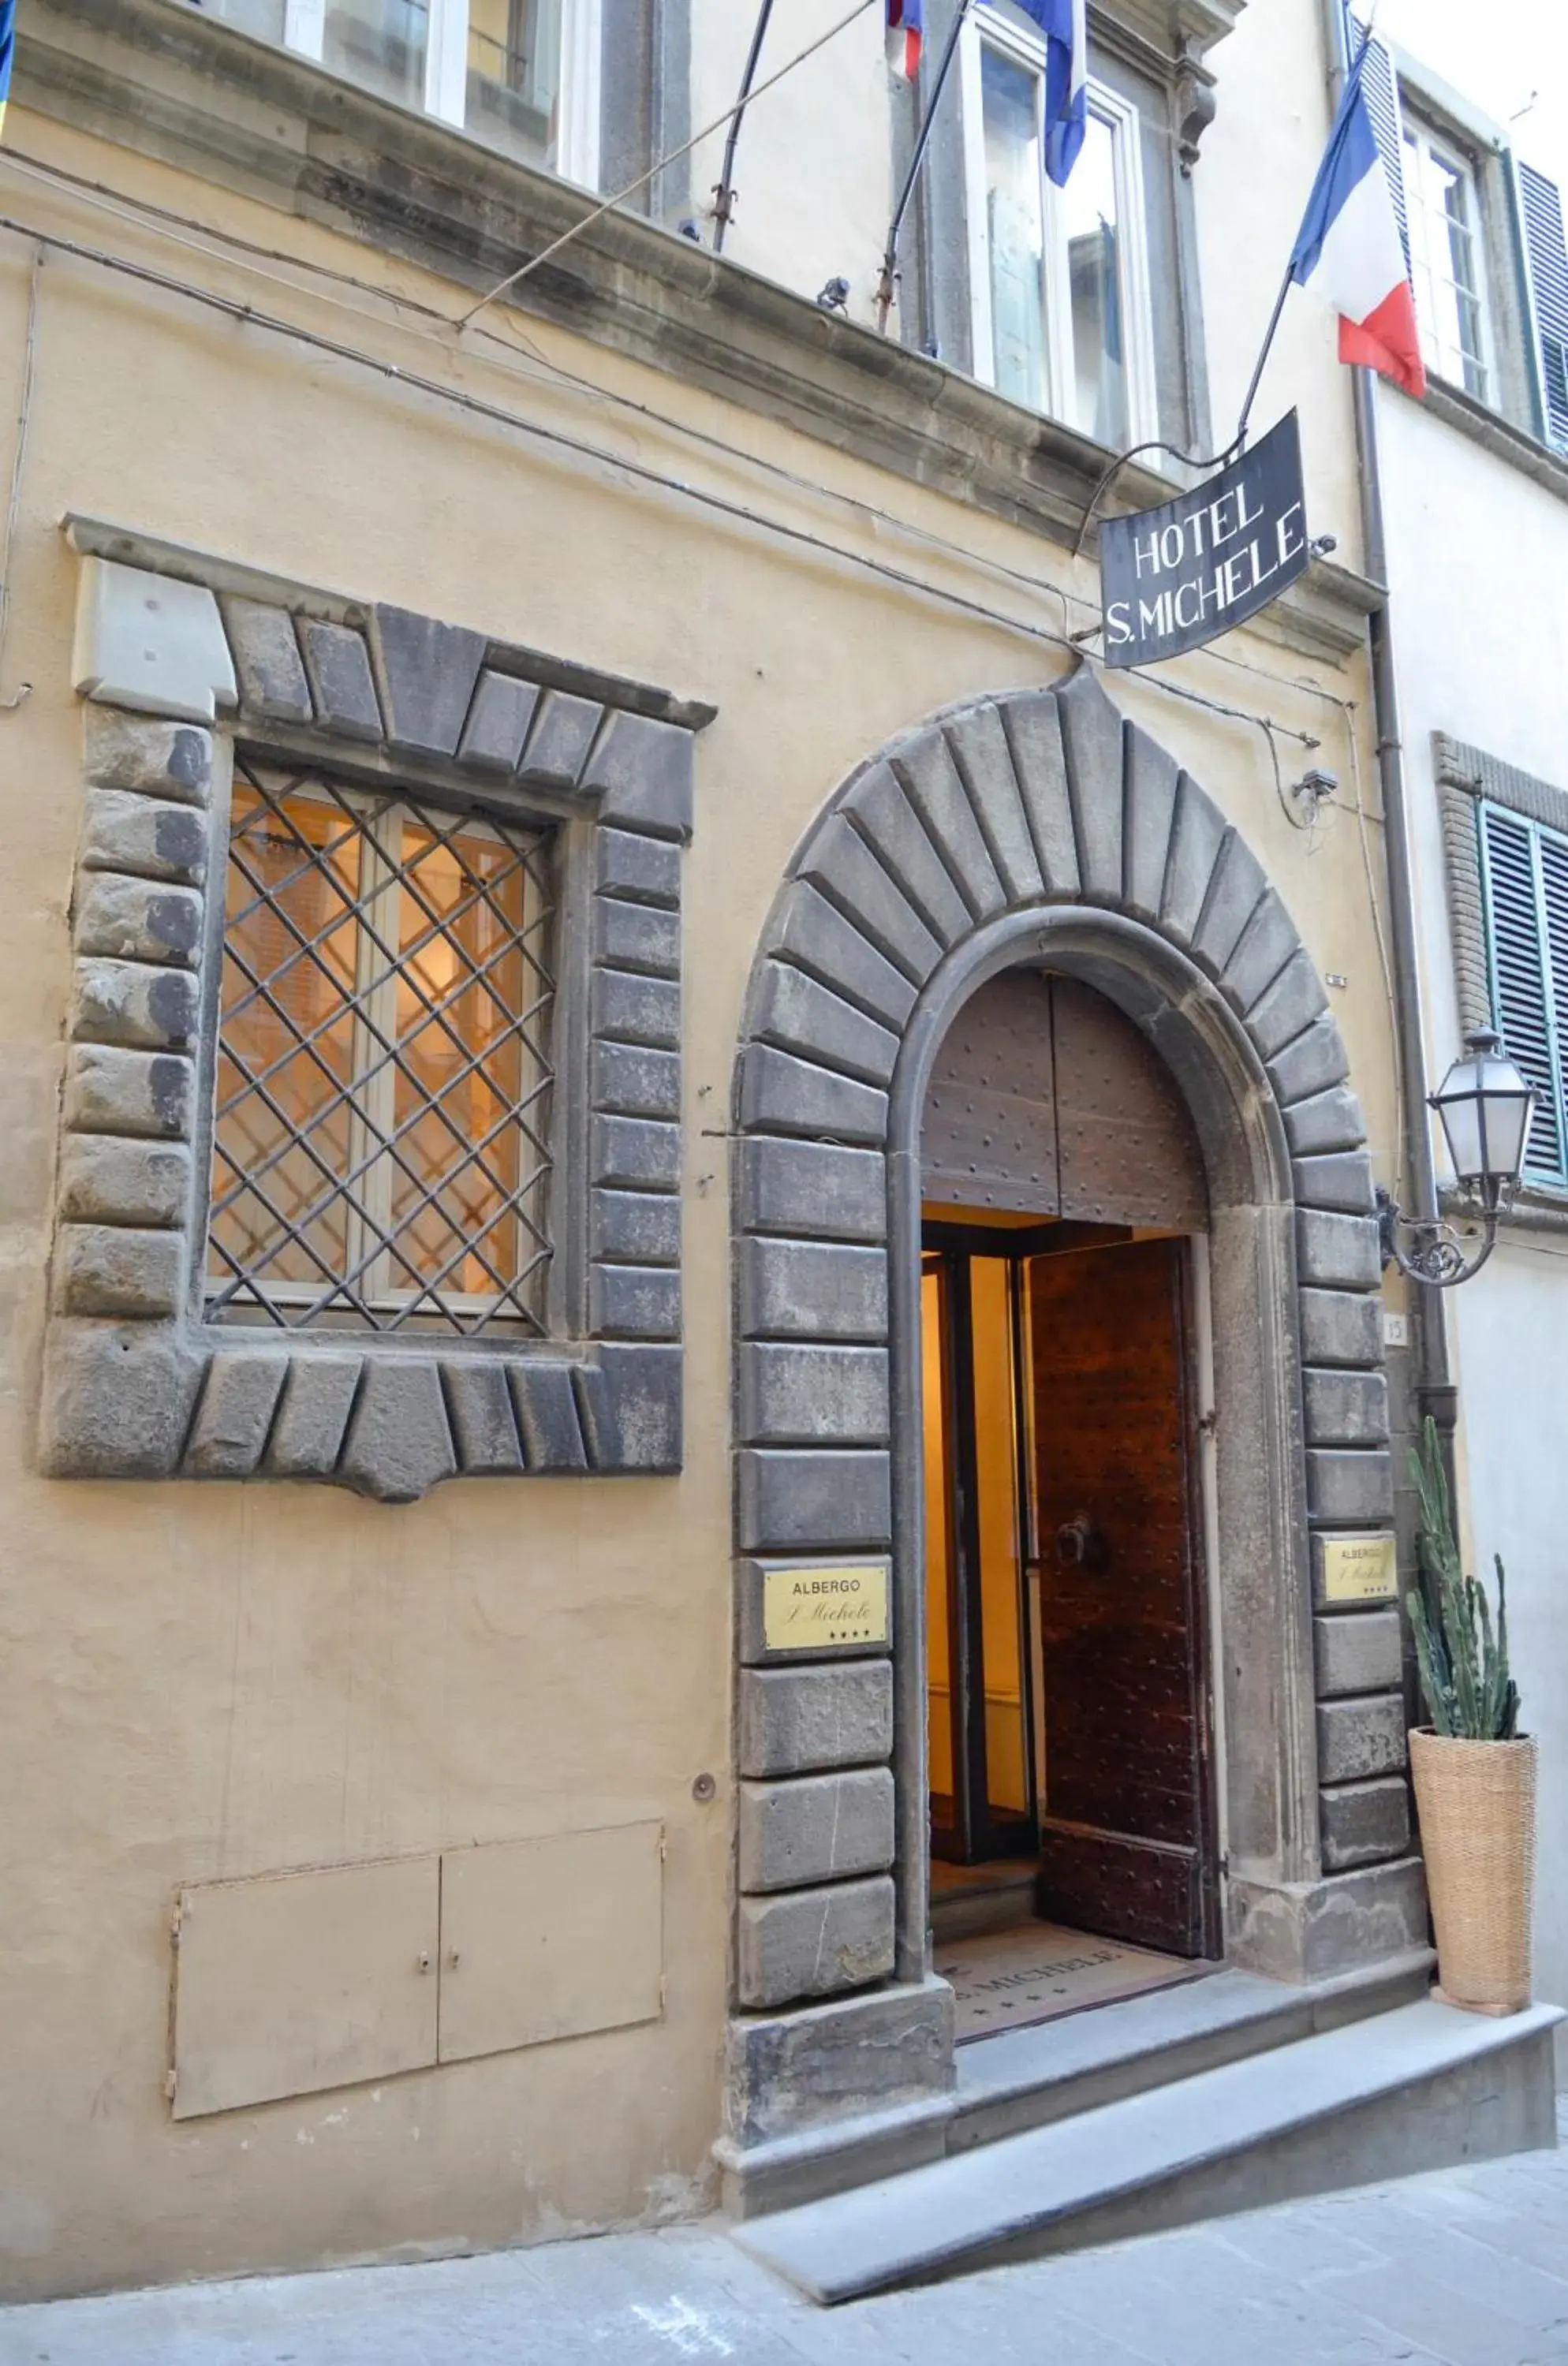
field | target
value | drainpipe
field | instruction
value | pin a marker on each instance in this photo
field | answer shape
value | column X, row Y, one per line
column 1433, row 1390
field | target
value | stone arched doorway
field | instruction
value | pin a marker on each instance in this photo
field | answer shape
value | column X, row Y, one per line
column 1036, row 829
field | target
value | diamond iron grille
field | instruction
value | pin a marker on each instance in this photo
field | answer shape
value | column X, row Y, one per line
column 381, row 1150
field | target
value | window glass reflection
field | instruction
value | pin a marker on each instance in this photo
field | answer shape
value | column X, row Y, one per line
column 1015, row 227
column 1094, row 265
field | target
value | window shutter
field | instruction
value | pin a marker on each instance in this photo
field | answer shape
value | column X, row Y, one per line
column 1546, row 258
column 1381, row 92
column 1526, row 996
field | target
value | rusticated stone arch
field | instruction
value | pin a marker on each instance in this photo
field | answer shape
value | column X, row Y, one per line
column 1036, row 827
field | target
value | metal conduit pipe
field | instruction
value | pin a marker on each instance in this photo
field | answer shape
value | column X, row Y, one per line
column 1433, row 1389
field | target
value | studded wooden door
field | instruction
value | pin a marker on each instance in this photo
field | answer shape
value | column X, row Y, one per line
column 1125, row 1842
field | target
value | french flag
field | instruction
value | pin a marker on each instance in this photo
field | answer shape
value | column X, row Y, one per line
column 908, row 16
column 1349, row 250
column 1066, row 80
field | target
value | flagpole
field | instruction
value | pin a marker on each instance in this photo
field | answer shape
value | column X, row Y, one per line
column 724, row 195
column 887, row 287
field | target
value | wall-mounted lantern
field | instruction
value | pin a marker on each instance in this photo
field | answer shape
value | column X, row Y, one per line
column 1485, row 1106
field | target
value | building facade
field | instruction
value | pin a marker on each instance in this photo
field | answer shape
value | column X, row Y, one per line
column 1482, row 716
column 584, row 919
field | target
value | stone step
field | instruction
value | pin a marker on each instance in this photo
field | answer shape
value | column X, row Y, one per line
column 1028, row 2078
column 1421, row 2086
column 987, row 1898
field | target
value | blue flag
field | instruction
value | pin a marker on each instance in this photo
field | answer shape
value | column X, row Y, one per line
column 1066, row 80
column 7, row 44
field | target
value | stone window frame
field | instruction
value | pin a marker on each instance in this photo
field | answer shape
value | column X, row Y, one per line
column 1467, row 777
column 178, row 656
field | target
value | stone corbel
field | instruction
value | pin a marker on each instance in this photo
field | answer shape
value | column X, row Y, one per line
column 1194, row 104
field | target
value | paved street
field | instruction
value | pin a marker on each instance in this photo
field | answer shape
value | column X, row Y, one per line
column 1467, row 2266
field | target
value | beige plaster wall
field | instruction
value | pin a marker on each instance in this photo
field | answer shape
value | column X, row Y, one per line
column 222, row 1680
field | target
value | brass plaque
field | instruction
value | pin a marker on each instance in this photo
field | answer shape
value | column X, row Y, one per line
column 811, row 1610
column 1360, row 1569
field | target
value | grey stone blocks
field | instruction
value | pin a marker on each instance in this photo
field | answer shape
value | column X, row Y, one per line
column 636, row 1227
column 789, row 1501
column 318, row 1397
column 1151, row 792
column 1346, row 1408
column 881, row 913
column 1361, row 1737
column 116, row 1400
column 800, row 1016
column 124, row 833
column 112, row 1269
column 1288, row 1007
column 480, row 1409
column 800, row 1720
column 497, row 723
column 816, row 1828
column 814, row 1290
column 1338, row 1251
column 814, row 934
column 107, row 1179
column 1346, row 1488
column 1234, row 892
column 132, row 1003
column 1092, row 742
column 838, row 1194
column 635, row 936
column 1311, row 1064
column 634, row 1302
column 427, row 671
column 886, row 818
column 1033, row 731
column 266, row 660
column 784, row 1094
column 1341, row 1328
column 1266, row 944
column 1340, row 1180
column 398, row 1444
column 635, row 1009
column 135, row 920
column 635, row 1154
column 980, row 750
column 562, row 734
column 235, row 1413
column 154, row 759
column 928, row 772
column 641, row 772
column 803, row 1395
column 338, row 666
column 1357, row 1653
column 647, row 870
column 814, row 1943
column 1329, row 1121
column 1364, row 1823
column 113, row 1091
column 865, row 2052
column 1197, row 836
column 630, row 1080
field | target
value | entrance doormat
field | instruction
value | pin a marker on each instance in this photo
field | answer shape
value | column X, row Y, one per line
column 1010, row 1979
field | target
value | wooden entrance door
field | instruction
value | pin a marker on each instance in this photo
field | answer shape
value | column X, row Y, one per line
column 1125, row 1845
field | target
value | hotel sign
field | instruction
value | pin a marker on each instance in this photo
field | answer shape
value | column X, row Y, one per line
column 1360, row 1569
column 816, row 1609
column 1173, row 578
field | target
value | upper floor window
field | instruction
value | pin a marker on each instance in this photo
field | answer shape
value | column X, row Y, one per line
column 521, row 74
column 1058, row 277
column 1443, row 215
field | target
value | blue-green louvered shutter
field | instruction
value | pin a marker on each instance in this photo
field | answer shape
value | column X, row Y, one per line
column 1547, row 256
column 1382, row 93
column 1524, row 1002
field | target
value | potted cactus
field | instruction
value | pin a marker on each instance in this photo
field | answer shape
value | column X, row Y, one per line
column 1474, row 1773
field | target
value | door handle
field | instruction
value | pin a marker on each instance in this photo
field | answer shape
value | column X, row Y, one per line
column 1080, row 1544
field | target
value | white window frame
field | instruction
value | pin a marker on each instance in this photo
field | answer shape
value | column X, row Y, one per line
column 1028, row 49
column 446, row 71
column 1413, row 126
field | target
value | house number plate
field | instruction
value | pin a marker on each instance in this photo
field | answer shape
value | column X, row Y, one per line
column 812, row 1609
column 1360, row 1569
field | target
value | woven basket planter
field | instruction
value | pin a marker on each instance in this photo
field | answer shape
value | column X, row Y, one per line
column 1476, row 1802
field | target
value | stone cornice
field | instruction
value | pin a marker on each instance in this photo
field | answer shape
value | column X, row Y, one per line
column 160, row 78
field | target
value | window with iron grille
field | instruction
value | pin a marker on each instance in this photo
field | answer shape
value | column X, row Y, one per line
column 1523, row 872
column 381, row 1122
